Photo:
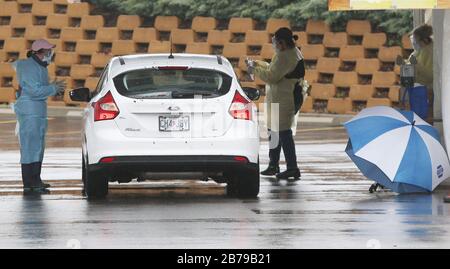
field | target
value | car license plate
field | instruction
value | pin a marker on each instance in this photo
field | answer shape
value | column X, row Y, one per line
column 173, row 123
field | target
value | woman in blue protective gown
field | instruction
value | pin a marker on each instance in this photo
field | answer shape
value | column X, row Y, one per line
column 31, row 111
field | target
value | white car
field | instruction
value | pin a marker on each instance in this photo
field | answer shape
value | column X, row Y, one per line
column 179, row 116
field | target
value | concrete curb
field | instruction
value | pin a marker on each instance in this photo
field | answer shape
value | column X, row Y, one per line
column 307, row 118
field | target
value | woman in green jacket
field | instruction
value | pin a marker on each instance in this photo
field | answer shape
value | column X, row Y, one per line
column 423, row 51
column 283, row 76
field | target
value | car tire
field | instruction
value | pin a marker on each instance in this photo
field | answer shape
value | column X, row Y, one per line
column 95, row 184
column 244, row 184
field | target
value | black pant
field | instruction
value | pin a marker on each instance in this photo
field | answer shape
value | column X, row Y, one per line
column 31, row 174
column 285, row 140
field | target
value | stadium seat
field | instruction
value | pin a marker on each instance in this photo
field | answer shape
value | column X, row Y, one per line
column 81, row 71
column 311, row 76
column 322, row 91
column 182, row 36
column 5, row 32
column 374, row 40
column 166, row 23
column 361, row 92
column 92, row 22
column 339, row 105
column 6, row 70
column 358, row 27
column 351, row 53
column 159, row 47
column 7, row 95
column 71, row 34
column 345, row 79
column 9, row 8
column 123, row 47
column 335, row 40
column 107, row 34
column 203, row 24
column 57, row 21
column 198, row 48
column 241, row 25
column 21, row 20
column 66, row 58
column 266, row 51
column 328, row 65
column 274, row 24
column 217, row 37
column 144, row 35
column 87, row 47
column 389, row 54
column 394, row 93
column 15, row 44
column 100, row 59
column 128, row 22
column 317, row 27
column 378, row 102
column 302, row 39
column 234, row 50
column 78, row 9
column 91, row 83
column 307, row 106
column 256, row 38
column 41, row 8
column 313, row 52
column 406, row 42
column 367, row 66
column 384, row 79
column 34, row 32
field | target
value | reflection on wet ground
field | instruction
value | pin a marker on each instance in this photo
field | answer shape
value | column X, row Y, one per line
column 329, row 208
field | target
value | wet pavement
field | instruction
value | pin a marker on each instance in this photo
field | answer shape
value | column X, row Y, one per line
column 329, row 208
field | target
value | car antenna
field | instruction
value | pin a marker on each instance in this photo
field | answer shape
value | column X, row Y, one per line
column 171, row 55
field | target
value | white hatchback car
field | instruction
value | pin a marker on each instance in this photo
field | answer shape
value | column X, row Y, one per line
column 179, row 116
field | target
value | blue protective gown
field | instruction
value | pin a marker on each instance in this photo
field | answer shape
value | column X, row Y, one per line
column 31, row 109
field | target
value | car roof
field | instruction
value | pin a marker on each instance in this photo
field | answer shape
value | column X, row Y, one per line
column 120, row 64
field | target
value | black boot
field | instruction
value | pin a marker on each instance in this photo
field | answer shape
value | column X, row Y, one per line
column 271, row 170
column 290, row 173
column 27, row 176
column 38, row 176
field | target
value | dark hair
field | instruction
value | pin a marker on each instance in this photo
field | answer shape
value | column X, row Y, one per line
column 423, row 33
column 285, row 34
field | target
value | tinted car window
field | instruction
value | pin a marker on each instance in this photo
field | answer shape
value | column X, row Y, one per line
column 172, row 83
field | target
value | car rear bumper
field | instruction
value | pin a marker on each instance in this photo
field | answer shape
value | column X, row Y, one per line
column 116, row 165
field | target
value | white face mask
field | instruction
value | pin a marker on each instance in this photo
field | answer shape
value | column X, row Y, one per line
column 274, row 45
column 48, row 57
column 414, row 43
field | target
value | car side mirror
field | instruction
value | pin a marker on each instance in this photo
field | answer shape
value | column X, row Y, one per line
column 251, row 93
column 80, row 95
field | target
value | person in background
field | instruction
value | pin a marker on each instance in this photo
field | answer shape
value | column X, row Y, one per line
column 423, row 51
column 283, row 77
column 31, row 111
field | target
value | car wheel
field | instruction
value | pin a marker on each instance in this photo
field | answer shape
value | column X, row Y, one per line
column 95, row 184
column 244, row 184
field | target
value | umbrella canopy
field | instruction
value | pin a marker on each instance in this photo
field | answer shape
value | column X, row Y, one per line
column 397, row 149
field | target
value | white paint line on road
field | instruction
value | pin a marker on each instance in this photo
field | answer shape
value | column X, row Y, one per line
column 74, row 113
column 316, row 119
column 6, row 111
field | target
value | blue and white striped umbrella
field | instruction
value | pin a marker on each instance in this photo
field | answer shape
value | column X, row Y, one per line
column 397, row 149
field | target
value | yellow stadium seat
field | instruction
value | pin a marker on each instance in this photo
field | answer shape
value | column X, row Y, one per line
column 203, row 24
column 374, row 40
column 311, row 75
column 92, row 22
column 100, row 59
column 267, row 51
column 257, row 38
column 182, row 36
column 345, row 79
column 5, row 32
column 71, row 34
column 21, row 20
column 307, row 106
column 87, row 47
column 317, row 27
column 335, row 40
column 328, row 65
column 57, row 21
column 322, row 91
column 358, row 27
column 9, row 8
column 15, row 44
column 234, row 50
column 389, row 54
column 361, row 92
column 7, row 94
column 198, row 48
column 35, row 32
column 378, row 102
column 241, row 25
column 42, row 8
column 394, row 93
column 218, row 37
column 351, row 53
column 128, row 22
column 384, row 79
column 66, row 58
column 313, row 52
column 123, row 47
column 81, row 71
column 107, row 34
column 144, row 35
column 367, row 66
column 274, row 24
column 166, row 23
column 78, row 9
column 159, row 47
column 339, row 105
column 302, row 39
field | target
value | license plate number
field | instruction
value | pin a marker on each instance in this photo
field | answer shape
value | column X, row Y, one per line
column 173, row 123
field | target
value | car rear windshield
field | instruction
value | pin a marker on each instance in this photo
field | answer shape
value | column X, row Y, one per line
column 172, row 82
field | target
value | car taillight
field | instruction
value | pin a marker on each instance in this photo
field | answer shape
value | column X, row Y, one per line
column 241, row 107
column 105, row 108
